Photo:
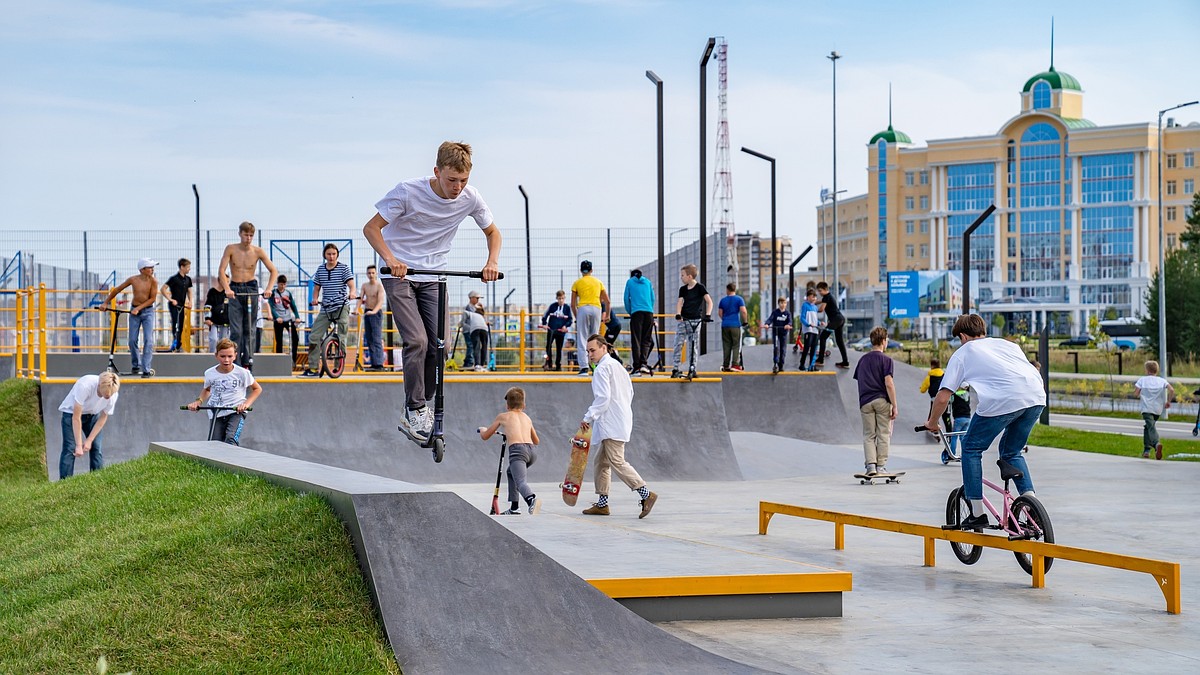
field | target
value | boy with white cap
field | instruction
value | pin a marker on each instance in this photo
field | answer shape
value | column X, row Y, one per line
column 141, row 314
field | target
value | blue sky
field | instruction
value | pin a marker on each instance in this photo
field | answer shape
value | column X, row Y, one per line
column 303, row 113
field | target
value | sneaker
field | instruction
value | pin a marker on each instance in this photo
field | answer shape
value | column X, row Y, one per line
column 595, row 510
column 135, row 370
column 584, row 372
column 817, row 366
column 510, row 512
column 871, row 470
column 150, row 373
column 737, row 368
column 647, row 504
column 974, row 522
column 1158, row 451
column 1145, row 454
column 725, row 369
column 416, row 423
column 881, row 469
column 843, row 364
column 535, row 506
column 675, row 374
column 310, row 373
column 775, row 369
column 691, row 375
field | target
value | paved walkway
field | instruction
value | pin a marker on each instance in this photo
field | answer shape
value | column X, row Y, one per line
column 903, row 616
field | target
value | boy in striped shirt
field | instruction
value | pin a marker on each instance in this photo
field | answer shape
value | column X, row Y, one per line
column 333, row 286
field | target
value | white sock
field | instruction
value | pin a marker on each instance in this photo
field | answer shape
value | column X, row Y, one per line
column 977, row 507
column 1028, row 493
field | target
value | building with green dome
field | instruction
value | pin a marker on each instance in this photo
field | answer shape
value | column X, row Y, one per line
column 1075, row 230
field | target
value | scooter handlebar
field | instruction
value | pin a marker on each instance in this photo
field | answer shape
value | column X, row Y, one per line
column 215, row 407
column 473, row 274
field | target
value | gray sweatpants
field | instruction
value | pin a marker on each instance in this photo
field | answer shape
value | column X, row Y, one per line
column 587, row 324
column 520, row 458
column 413, row 305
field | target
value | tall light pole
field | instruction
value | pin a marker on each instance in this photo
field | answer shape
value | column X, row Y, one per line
column 671, row 237
column 662, row 223
column 837, row 286
column 528, row 251
column 708, row 50
column 774, row 252
column 1162, row 247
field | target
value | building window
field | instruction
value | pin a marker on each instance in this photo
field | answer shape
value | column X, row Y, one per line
column 1012, row 247
column 1170, row 161
column 924, row 227
column 1170, row 213
column 1170, row 187
column 908, row 250
column 1012, row 271
column 1170, row 241
column 1189, row 186
column 908, row 227
column 924, row 178
column 924, row 250
column 1041, row 95
column 1189, row 160
column 908, row 203
column 924, row 202
column 908, row 178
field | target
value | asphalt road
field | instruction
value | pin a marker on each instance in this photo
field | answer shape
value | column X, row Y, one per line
column 1168, row 429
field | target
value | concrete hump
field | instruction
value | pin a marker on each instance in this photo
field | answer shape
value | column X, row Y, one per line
column 805, row 406
column 679, row 427
column 459, row 593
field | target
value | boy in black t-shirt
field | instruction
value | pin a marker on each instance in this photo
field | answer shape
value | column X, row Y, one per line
column 835, row 323
column 178, row 292
column 692, row 309
column 216, row 317
column 780, row 323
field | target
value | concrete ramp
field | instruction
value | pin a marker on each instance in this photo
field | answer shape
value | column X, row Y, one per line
column 458, row 593
column 679, row 427
column 806, row 406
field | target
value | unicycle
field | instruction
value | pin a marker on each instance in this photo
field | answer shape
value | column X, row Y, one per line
column 437, row 438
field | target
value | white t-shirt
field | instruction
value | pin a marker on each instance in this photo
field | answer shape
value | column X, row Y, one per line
column 421, row 225
column 84, row 393
column 1002, row 378
column 1154, row 393
column 226, row 389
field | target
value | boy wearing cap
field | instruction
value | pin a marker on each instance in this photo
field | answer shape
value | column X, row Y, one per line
column 141, row 314
column 589, row 304
column 475, row 333
column 415, row 225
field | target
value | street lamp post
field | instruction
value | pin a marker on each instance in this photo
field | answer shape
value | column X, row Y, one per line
column 662, row 224
column 671, row 237
column 1162, row 247
column 708, row 50
column 826, row 195
column 528, row 251
column 774, row 289
column 837, row 286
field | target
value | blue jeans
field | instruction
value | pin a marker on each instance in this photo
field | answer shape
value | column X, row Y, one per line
column 66, row 462
column 960, row 424
column 983, row 430
column 373, row 330
column 142, row 322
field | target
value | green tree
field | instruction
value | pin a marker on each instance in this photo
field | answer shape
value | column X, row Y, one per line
column 1183, row 304
column 1191, row 235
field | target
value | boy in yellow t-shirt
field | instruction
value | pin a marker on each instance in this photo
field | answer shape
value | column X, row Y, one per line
column 590, row 305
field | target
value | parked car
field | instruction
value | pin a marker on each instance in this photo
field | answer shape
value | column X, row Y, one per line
column 864, row 344
column 1077, row 341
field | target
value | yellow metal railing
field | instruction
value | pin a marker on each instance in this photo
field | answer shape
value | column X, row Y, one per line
column 1165, row 573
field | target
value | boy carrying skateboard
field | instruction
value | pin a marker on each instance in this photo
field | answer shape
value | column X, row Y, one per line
column 521, row 439
column 611, row 413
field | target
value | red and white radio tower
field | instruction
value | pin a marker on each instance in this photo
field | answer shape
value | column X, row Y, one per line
column 722, row 196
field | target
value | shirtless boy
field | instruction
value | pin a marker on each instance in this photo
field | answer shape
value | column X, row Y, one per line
column 241, row 260
column 141, row 314
column 372, row 304
column 521, row 439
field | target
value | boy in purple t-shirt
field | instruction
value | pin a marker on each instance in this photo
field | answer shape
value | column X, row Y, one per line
column 876, row 402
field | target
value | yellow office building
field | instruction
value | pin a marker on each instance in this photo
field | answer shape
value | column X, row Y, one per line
column 1075, row 230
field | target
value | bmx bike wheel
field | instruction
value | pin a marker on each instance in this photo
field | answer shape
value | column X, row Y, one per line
column 1034, row 523
column 957, row 510
column 333, row 358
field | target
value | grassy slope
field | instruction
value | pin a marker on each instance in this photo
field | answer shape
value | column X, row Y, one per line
column 164, row 565
column 22, row 458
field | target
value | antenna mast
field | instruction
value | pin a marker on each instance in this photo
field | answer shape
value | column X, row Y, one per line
column 722, row 195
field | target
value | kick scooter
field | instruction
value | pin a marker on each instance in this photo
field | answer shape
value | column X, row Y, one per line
column 437, row 440
column 212, row 425
column 112, row 345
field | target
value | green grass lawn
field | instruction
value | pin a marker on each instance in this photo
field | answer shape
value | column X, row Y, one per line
column 163, row 565
column 1107, row 444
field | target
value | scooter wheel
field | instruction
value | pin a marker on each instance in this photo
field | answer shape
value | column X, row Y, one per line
column 1196, row 431
column 945, row 457
column 439, row 449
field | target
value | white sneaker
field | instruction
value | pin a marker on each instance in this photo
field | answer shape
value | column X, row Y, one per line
column 414, row 423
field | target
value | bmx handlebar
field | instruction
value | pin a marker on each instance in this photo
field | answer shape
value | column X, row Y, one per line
column 215, row 407
column 473, row 274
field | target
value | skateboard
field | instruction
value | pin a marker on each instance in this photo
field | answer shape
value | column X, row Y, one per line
column 581, row 442
column 864, row 479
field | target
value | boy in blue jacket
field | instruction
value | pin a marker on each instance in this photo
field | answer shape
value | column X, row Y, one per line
column 639, row 302
column 556, row 321
column 780, row 323
column 809, row 321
